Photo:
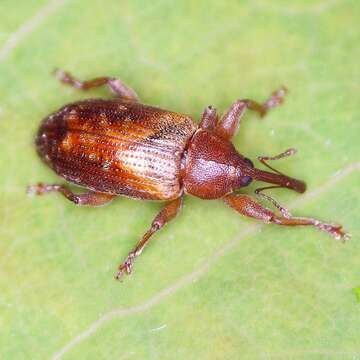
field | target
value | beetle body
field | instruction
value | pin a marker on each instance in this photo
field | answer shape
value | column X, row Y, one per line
column 122, row 147
column 126, row 148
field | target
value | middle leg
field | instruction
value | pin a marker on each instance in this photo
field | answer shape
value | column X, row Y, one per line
column 167, row 213
column 115, row 85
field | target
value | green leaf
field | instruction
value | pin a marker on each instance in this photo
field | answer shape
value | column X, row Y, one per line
column 211, row 285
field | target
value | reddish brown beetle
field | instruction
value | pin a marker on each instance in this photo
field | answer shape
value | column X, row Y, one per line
column 122, row 147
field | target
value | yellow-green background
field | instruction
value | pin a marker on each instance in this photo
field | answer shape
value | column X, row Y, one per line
column 212, row 285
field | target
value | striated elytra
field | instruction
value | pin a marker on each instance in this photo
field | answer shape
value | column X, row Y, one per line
column 122, row 147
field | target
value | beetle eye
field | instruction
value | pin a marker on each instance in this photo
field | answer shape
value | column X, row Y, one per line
column 246, row 180
column 249, row 162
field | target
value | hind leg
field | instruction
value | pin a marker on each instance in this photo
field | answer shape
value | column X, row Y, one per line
column 90, row 198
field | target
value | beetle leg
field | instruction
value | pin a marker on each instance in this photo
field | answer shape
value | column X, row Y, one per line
column 209, row 118
column 115, row 85
column 89, row 198
column 167, row 213
column 247, row 206
column 230, row 122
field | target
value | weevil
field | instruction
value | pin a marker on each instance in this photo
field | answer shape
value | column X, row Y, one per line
column 123, row 147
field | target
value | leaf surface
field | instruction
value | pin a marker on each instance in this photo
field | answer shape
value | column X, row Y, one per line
column 211, row 285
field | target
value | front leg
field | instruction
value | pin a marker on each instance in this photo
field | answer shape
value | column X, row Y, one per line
column 245, row 205
column 116, row 85
column 209, row 119
column 167, row 213
column 230, row 122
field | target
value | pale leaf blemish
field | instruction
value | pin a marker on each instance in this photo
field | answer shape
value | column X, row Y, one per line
column 158, row 328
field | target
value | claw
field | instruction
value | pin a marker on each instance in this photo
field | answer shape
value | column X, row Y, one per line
column 119, row 275
column 38, row 189
column 277, row 98
column 335, row 231
column 125, row 267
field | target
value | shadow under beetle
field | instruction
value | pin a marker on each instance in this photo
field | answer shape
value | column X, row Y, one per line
column 122, row 147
